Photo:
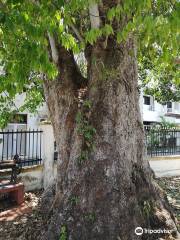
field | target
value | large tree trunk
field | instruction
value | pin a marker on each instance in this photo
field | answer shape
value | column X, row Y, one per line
column 104, row 184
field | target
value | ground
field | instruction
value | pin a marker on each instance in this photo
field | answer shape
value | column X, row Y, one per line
column 21, row 222
column 172, row 188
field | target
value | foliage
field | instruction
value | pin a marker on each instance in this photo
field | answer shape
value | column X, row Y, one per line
column 159, row 80
column 152, row 140
column 34, row 98
column 166, row 124
column 158, row 136
column 86, row 130
column 82, row 157
column 24, row 46
column 74, row 200
column 91, row 217
column 63, row 235
column 7, row 109
column 147, row 208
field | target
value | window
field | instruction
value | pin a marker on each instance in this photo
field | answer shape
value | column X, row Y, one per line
column 147, row 100
column 147, row 123
column 169, row 104
column 19, row 118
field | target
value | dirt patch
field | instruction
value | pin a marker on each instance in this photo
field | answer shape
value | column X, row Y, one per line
column 172, row 188
column 28, row 226
column 17, row 221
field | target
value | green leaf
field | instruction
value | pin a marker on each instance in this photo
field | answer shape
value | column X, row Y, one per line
column 111, row 14
column 107, row 30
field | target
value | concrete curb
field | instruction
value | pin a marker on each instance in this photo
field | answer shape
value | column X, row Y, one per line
column 171, row 157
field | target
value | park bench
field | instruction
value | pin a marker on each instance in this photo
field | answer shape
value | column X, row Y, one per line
column 15, row 166
column 14, row 189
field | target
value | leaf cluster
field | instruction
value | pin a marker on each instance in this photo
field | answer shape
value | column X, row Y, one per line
column 25, row 50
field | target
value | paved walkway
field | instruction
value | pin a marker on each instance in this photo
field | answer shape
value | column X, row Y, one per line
column 165, row 167
column 15, row 220
column 13, row 213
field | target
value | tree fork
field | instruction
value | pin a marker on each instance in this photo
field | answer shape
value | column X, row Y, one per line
column 114, row 185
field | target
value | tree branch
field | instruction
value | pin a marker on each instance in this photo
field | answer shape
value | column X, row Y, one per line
column 94, row 15
column 54, row 51
column 177, row 61
column 75, row 30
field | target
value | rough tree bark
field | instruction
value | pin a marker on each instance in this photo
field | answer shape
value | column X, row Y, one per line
column 110, row 191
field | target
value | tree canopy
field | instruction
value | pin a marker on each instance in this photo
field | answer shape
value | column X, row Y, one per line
column 31, row 32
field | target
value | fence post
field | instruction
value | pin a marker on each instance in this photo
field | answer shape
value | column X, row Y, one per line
column 48, row 155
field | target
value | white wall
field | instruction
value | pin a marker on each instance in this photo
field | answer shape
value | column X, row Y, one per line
column 32, row 119
column 40, row 176
column 49, row 173
column 32, row 177
column 155, row 111
column 150, row 115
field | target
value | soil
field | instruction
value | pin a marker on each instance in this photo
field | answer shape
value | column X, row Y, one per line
column 29, row 222
column 172, row 188
column 20, row 222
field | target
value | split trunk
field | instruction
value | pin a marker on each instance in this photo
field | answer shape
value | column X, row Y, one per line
column 104, row 186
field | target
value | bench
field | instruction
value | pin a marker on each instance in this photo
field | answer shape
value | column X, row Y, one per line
column 16, row 191
column 15, row 166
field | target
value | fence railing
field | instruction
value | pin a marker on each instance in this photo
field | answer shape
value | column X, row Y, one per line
column 26, row 144
column 161, row 141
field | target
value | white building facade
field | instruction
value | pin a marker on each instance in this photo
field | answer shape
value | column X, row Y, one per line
column 152, row 111
column 26, row 120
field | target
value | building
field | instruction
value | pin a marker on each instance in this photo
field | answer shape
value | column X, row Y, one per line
column 26, row 120
column 152, row 111
column 23, row 135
